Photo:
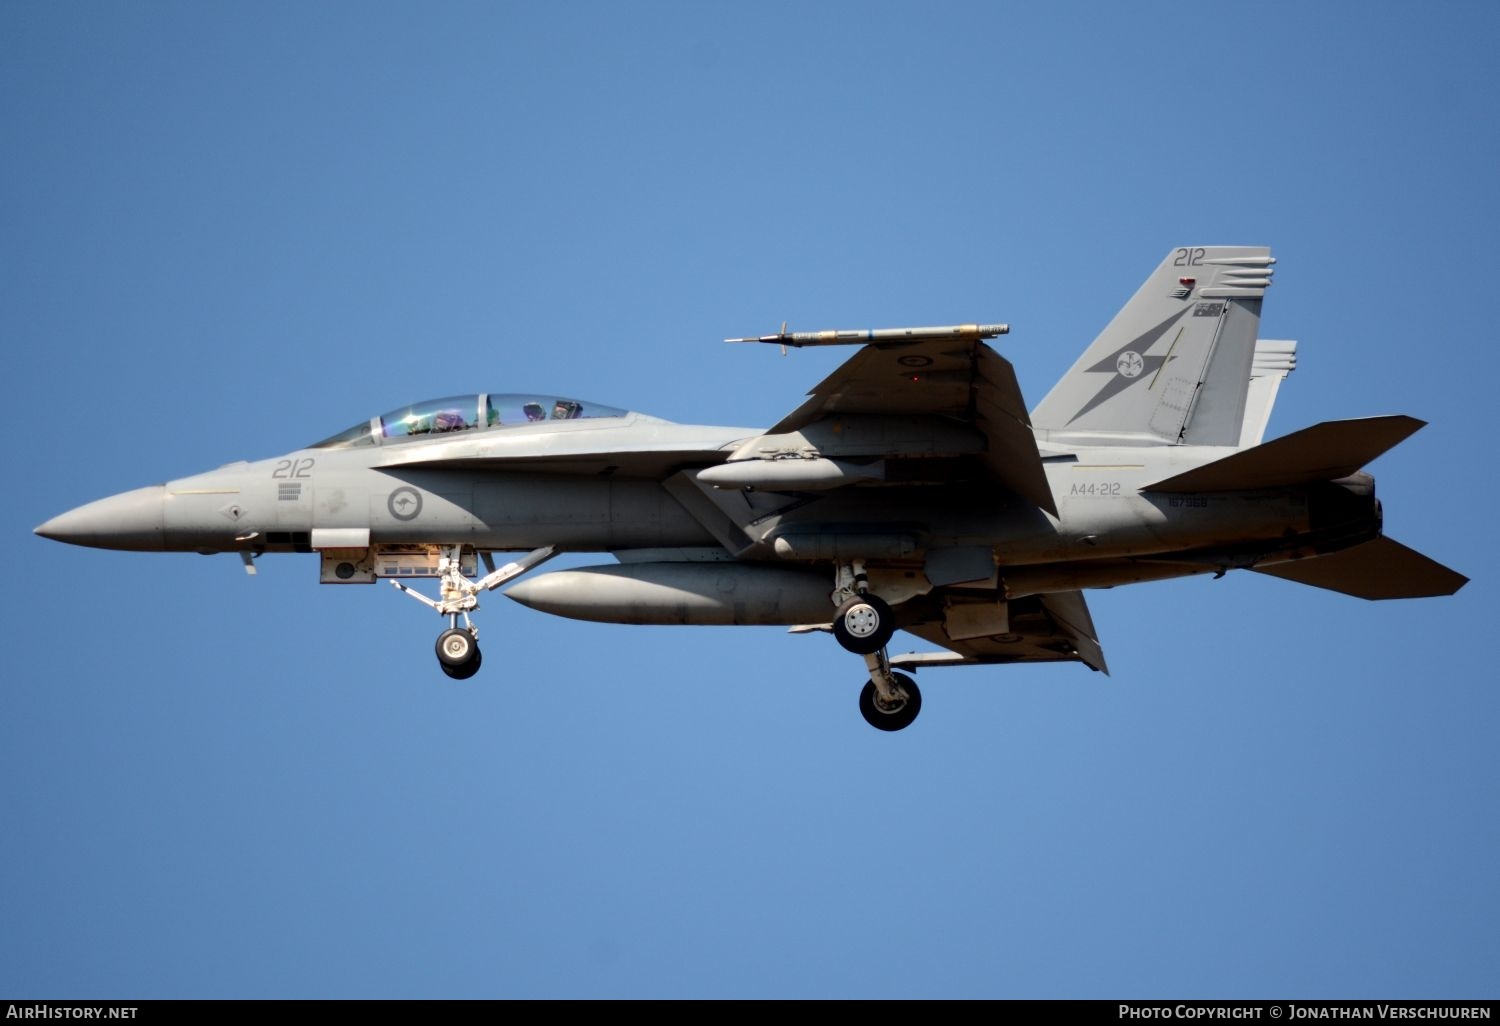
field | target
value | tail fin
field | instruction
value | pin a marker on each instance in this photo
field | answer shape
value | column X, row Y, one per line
column 1274, row 360
column 1174, row 365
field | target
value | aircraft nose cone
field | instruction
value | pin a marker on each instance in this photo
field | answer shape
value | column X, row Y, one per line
column 130, row 520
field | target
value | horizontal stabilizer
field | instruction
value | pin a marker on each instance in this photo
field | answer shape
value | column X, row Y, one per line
column 1323, row 452
column 1379, row 569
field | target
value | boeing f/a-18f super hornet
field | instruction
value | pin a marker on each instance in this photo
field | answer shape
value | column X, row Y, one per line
column 911, row 491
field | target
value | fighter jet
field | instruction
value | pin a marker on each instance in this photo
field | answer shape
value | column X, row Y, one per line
column 912, row 491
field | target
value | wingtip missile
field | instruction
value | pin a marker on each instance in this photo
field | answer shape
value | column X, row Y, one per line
column 865, row 336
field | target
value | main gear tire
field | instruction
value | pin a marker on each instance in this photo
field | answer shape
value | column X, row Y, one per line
column 864, row 624
column 896, row 715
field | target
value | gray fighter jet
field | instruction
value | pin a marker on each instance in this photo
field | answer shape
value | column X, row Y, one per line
column 911, row 491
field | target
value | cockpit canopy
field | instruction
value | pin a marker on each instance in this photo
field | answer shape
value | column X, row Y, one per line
column 464, row 413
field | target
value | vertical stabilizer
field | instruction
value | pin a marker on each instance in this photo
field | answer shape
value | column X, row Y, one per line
column 1174, row 365
column 1274, row 360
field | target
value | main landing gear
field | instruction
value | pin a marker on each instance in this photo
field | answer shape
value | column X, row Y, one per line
column 458, row 647
column 864, row 624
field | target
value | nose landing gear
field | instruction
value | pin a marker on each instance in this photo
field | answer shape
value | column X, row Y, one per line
column 458, row 647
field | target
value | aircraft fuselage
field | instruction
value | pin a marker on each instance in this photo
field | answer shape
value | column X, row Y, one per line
column 1108, row 530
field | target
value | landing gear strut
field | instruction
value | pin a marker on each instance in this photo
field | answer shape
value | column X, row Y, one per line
column 889, row 700
column 458, row 647
column 864, row 624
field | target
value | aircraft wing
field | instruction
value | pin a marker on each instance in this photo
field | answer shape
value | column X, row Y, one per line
column 959, row 379
column 1041, row 628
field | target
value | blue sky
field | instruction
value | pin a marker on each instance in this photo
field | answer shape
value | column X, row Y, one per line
column 232, row 229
